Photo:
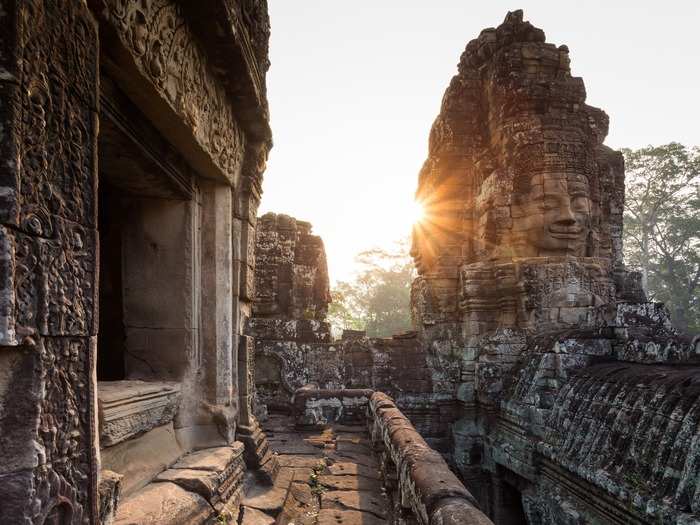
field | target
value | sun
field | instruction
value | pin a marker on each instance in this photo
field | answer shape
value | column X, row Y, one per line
column 416, row 212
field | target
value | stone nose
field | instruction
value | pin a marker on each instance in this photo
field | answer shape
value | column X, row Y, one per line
column 566, row 216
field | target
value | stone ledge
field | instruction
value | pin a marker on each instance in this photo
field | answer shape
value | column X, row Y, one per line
column 130, row 408
column 425, row 481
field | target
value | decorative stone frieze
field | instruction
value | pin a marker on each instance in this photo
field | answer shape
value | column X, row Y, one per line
column 162, row 47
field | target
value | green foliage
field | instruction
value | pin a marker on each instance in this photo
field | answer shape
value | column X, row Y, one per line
column 316, row 487
column 378, row 299
column 662, row 227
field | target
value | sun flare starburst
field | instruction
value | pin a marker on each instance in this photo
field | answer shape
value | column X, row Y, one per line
column 417, row 211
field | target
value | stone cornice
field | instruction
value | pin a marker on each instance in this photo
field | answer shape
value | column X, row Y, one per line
column 221, row 27
column 195, row 74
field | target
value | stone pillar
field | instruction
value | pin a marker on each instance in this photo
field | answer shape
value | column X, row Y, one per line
column 48, row 246
column 244, row 268
column 257, row 454
column 219, row 390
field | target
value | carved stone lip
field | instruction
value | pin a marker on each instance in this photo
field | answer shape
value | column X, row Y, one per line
column 566, row 233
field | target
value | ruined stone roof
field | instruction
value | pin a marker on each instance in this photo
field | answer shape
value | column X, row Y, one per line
column 631, row 429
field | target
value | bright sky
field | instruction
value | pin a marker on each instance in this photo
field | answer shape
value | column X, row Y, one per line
column 354, row 87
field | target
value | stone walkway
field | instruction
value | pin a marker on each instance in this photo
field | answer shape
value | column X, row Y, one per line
column 326, row 477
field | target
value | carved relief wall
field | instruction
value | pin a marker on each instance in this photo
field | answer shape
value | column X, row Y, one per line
column 48, row 118
column 153, row 60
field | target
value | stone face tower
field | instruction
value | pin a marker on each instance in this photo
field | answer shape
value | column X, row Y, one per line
column 522, row 288
column 517, row 169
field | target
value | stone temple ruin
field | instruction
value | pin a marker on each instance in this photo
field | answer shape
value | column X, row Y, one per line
column 538, row 368
column 165, row 353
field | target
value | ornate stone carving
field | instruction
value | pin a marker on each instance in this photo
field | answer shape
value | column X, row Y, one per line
column 166, row 52
column 520, row 262
column 48, row 184
column 516, row 165
column 533, row 294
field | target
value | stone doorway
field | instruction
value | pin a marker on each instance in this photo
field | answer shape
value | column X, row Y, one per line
column 148, row 338
column 508, row 488
column 112, row 337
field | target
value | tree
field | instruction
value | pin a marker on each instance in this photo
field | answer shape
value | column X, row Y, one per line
column 377, row 300
column 662, row 227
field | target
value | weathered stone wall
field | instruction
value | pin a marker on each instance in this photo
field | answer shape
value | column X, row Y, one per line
column 48, row 180
column 292, row 354
column 186, row 85
column 632, row 430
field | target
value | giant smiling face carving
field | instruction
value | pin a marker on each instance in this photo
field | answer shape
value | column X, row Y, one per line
column 554, row 216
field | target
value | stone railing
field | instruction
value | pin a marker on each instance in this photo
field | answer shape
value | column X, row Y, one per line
column 421, row 477
column 416, row 477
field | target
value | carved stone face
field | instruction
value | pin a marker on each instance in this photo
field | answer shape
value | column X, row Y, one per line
column 554, row 216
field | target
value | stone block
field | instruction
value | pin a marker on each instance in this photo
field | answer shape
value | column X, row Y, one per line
column 211, row 459
column 128, row 409
column 253, row 516
column 140, row 459
column 163, row 504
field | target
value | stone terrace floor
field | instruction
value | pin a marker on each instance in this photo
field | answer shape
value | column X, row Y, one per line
column 326, row 477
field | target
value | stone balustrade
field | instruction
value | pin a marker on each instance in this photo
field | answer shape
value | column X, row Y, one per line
column 416, row 477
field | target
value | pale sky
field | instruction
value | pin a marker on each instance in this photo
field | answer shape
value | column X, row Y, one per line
column 355, row 85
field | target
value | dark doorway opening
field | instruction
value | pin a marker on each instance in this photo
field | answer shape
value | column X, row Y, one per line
column 112, row 337
column 508, row 503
